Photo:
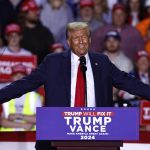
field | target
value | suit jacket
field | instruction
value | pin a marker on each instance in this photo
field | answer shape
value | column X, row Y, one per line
column 55, row 74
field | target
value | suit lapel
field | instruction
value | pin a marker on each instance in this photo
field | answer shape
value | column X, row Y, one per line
column 66, row 68
column 95, row 64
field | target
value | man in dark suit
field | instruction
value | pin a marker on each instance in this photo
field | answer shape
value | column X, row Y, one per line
column 63, row 80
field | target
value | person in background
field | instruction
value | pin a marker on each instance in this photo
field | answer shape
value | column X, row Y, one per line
column 55, row 15
column 86, row 14
column 19, row 113
column 144, row 29
column 135, row 11
column 102, row 13
column 141, row 72
column 13, row 36
column 7, row 15
column 131, row 40
column 74, row 6
column 36, row 38
column 147, row 9
column 57, row 48
column 112, row 42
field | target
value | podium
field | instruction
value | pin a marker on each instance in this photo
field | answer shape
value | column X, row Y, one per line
column 87, row 145
column 87, row 128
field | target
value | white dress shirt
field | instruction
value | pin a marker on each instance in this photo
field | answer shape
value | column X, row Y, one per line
column 89, row 78
column 144, row 77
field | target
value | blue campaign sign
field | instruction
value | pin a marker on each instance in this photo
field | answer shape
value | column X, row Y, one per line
column 106, row 123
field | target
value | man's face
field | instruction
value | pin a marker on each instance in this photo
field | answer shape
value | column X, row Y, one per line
column 56, row 4
column 86, row 13
column 143, row 64
column 112, row 45
column 79, row 41
column 13, row 39
column 118, row 18
column 134, row 5
column 33, row 16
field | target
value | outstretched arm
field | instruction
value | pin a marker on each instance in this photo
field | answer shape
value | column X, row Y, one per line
column 126, row 82
column 26, row 84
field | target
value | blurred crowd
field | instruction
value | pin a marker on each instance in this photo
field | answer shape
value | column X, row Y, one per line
column 119, row 28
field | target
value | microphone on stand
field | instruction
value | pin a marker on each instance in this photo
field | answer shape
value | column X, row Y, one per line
column 84, row 69
column 83, row 63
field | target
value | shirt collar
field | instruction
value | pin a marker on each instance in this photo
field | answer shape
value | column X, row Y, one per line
column 75, row 58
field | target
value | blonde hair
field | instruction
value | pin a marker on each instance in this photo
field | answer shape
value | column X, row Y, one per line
column 74, row 26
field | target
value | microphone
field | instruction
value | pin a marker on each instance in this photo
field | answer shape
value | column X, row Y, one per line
column 84, row 69
column 83, row 63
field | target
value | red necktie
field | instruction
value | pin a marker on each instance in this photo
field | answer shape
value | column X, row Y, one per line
column 80, row 89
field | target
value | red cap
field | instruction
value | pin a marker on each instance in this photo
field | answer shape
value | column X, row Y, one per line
column 84, row 3
column 141, row 54
column 118, row 6
column 29, row 5
column 56, row 45
column 19, row 69
column 13, row 27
